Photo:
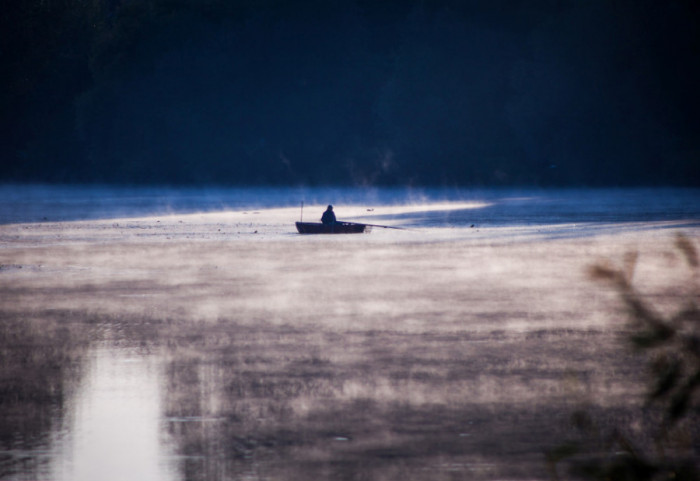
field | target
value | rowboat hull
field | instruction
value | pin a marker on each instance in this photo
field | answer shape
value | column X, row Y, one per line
column 337, row 228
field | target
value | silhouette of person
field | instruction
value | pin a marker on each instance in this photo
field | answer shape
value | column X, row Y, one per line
column 328, row 217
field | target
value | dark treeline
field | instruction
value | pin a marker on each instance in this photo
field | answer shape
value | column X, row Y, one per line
column 537, row 92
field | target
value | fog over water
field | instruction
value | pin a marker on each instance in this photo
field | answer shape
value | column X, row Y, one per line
column 192, row 334
column 501, row 206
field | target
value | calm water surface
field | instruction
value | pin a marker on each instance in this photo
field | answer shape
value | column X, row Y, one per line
column 114, row 427
column 139, row 414
column 505, row 206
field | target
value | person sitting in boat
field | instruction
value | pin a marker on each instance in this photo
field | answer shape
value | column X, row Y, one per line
column 328, row 217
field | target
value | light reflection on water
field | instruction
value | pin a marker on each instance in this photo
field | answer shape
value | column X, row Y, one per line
column 406, row 351
column 37, row 203
column 115, row 429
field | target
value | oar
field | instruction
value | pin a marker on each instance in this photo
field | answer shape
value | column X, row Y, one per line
column 376, row 225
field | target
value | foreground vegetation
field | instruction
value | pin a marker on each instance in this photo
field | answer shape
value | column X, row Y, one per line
column 663, row 448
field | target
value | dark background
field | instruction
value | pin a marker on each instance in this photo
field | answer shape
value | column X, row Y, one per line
column 443, row 92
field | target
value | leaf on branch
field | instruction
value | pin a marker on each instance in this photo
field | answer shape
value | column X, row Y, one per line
column 630, row 261
column 685, row 245
column 648, row 339
column 682, row 398
column 639, row 311
column 602, row 272
column 690, row 313
column 679, row 405
column 668, row 374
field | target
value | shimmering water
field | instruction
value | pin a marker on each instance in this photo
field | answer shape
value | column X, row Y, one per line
column 501, row 206
column 168, row 334
column 113, row 431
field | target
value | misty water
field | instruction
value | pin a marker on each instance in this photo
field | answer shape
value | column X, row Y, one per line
column 172, row 334
column 500, row 207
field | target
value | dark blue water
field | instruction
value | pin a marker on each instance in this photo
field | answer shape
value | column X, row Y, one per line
column 504, row 207
column 568, row 206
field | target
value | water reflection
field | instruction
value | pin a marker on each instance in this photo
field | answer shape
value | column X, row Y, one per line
column 192, row 400
column 115, row 429
column 312, row 358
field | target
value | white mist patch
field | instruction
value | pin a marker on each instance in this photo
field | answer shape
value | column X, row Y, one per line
column 422, row 208
column 115, row 432
column 368, row 211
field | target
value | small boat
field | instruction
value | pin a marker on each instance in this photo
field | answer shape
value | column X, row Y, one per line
column 337, row 228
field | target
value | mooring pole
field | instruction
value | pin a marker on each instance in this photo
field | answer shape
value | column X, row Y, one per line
column 301, row 218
